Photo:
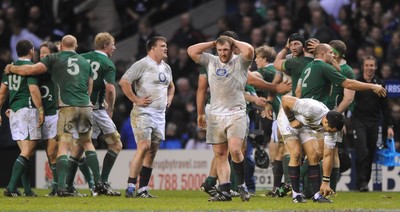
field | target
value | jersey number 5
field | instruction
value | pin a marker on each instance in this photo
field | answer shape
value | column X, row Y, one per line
column 73, row 68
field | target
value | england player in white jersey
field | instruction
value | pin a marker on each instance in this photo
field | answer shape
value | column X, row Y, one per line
column 227, row 123
column 315, row 115
column 154, row 91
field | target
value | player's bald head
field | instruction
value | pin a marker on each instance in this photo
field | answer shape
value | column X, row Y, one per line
column 321, row 48
column 69, row 42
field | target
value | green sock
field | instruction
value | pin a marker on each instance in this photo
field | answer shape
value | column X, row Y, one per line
column 108, row 163
column 84, row 167
column 93, row 163
column 285, row 165
column 19, row 167
column 335, row 176
column 212, row 181
column 26, row 180
column 62, row 169
column 53, row 168
column 73, row 167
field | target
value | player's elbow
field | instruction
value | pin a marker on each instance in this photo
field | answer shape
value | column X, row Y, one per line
column 192, row 52
column 278, row 64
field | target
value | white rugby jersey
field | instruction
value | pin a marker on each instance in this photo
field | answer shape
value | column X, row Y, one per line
column 310, row 112
column 227, row 82
column 150, row 79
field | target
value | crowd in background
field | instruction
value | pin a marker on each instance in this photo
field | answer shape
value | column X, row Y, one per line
column 367, row 27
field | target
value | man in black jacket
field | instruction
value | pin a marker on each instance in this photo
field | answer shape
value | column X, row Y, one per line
column 365, row 122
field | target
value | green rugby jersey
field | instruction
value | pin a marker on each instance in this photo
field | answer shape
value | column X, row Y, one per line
column 252, row 91
column 18, row 88
column 103, row 72
column 70, row 72
column 268, row 74
column 316, row 80
column 48, row 93
column 336, row 95
column 294, row 67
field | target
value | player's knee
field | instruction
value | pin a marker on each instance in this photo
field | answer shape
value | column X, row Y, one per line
column 295, row 156
column 113, row 141
column 313, row 158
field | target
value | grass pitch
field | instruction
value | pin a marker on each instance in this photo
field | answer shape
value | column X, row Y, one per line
column 197, row 201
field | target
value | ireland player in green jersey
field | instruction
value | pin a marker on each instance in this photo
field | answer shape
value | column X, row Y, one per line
column 103, row 99
column 25, row 119
column 49, row 128
column 73, row 78
column 293, row 67
column 339, row 100
column 315, row 83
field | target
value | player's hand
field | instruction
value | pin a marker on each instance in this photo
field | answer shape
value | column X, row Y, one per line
column 105, row 104
column 201, row 122
column 312, row 44
column 267, row 112
column 325, row 189
column 296, row 124
column 284, row 87
column 41, row 120
column 379, row 89
column 7, row 113
column 145, row 101
column 169, row 101
column 287, row 46
column 335, row 64
column 7, row 69
column 261, row 101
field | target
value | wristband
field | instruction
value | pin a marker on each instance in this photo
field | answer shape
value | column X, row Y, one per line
column 291, row 118
column 326, row 179
column 41, row 110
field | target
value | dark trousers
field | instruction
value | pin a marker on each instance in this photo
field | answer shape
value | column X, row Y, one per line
column 365, row 139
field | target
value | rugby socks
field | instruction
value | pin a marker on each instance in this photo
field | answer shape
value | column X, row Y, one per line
column 84, row 167
column 132, row 180
column 108, row 163
column 238, row 168
column 19, row 167
column 25, row 180
column 314, row 174
column 277, row 170
column 93, row 163
column 211, row 181
column 62, row 168
column 145, row 175
column 73, row 167
column 335, row 176
column 225, row 187
column 53, row 167
column 285, row 166
column 294, row 175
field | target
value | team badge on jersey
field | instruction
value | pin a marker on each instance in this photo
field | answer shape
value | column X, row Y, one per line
column 221, row 72
column 162, row 77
